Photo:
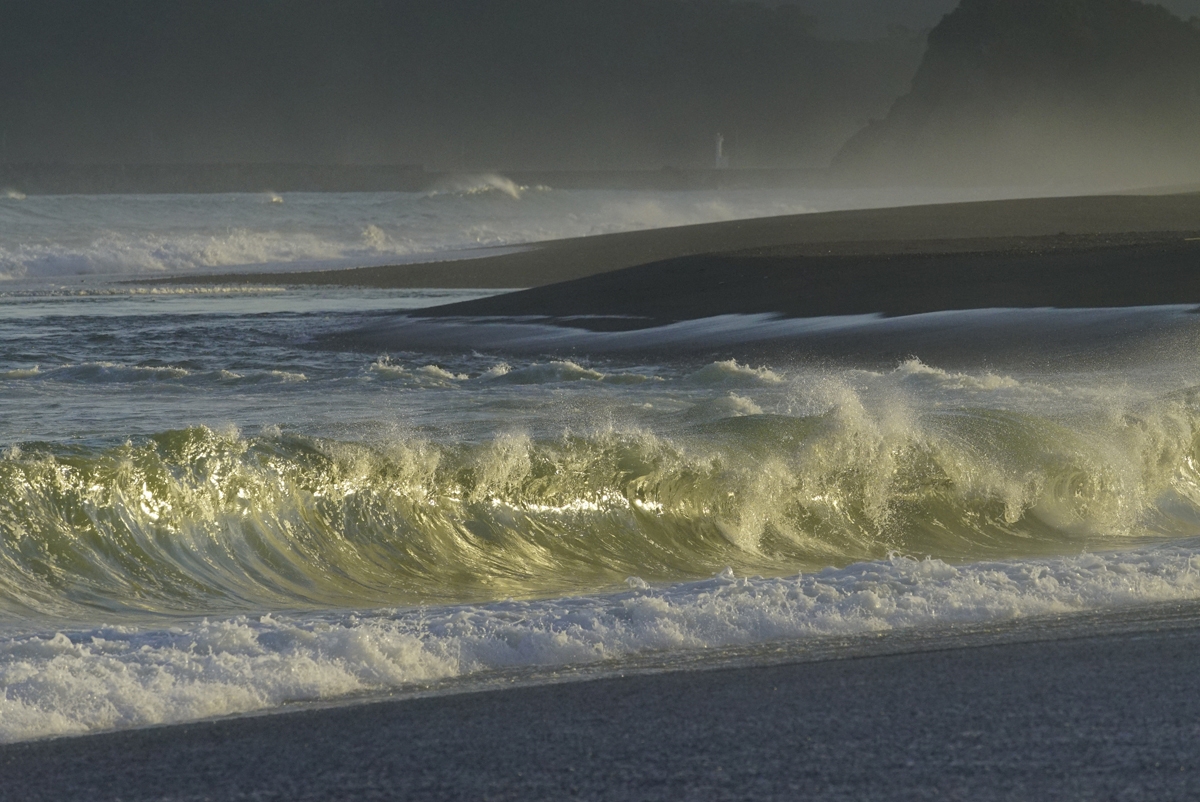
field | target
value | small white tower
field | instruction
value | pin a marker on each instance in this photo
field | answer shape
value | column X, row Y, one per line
column 722, row 160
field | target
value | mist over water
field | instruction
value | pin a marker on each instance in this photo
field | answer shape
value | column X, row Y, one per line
column 60, row 237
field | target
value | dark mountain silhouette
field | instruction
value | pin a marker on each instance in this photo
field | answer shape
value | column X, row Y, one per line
column 1029, row 91
column 868, row 19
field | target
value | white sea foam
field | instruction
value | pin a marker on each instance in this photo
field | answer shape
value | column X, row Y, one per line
column 385, row 368
column 497, row 370
column 110, row 372
column 422, row 375
column 556, row 371
column 129, row 252
column 20, row 373
column 115, row 677
column 730, row 372
column 916, row 369
column 731, row 405
column 268, row 377
column 484, row 184
column 440, row 374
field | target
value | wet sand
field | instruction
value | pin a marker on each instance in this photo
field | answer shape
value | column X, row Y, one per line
column 1107, row 714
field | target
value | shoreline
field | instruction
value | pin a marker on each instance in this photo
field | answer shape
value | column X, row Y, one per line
column 1105, row 710
column 1013, row 226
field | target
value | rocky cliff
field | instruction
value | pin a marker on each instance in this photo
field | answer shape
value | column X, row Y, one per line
column 1103, row 92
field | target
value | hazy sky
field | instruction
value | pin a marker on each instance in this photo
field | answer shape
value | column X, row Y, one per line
column 864, row 19
column 453, row 84
column 448, row 84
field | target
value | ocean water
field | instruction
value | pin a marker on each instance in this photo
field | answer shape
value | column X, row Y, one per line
column 217, row 500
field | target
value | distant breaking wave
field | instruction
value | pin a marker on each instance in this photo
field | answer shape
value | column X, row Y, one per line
column 56, row 237
column 117, row 253
column 485, row 184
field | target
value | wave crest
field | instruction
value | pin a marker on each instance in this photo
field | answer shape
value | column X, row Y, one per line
column 483, row 184
column 197, row 520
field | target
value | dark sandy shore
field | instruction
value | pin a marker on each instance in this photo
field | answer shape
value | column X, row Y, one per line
column 1101, row 251
column 1059, row 271
column 1110, row 713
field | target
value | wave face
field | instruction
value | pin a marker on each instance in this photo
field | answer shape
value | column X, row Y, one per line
column 196, row 520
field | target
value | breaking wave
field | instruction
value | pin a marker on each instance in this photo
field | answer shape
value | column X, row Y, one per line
column 52, row 237
column 201, row 521
column 121, row 252
column 487, row 184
